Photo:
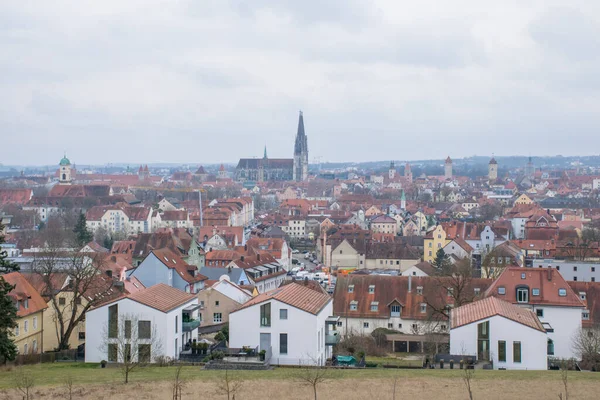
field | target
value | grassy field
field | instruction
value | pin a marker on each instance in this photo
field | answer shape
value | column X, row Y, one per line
column 93, row 382
column 395, row 361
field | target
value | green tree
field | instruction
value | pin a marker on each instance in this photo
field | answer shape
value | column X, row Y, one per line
column 82, row 234
column 442, row 263
column 8, row 316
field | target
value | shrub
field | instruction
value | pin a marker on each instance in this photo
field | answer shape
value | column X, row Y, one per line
column 164, row 361
column 217, row 355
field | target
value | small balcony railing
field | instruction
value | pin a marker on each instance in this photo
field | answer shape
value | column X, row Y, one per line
column 190, row 325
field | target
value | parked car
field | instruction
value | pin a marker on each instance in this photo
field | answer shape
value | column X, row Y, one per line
column 295, row 251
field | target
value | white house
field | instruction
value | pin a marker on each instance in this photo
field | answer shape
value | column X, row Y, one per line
column 550, row 297
column 421, row 269
column 293, row 324
column 494, row 330
column 159, row 313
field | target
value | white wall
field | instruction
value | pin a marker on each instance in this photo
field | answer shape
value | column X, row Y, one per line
column 463, row 340
column 356, row 326
column 303, row 329
column 566, row 322
column 96, row 326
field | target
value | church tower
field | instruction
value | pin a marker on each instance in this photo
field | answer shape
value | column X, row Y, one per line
column 448, row 168
column 64, row 177
column 300, row 171
column 408, row 173
column 493, row 170
column 392, row 171
column 529, row 170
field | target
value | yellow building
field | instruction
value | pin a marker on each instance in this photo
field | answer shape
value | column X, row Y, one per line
column 434, row 241
column 28, row 334
column 523, row 199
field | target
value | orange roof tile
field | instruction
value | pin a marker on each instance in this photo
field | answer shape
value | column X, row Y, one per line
column 162, row 297
column 295, row 295
column 23, row 290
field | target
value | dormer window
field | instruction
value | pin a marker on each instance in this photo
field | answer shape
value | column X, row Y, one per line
column 477, row 291
column 371, row 289
column 522, row 295
column 350, row 288
column 353, row 305
column 450, row 291
column 585, row 315
column 374, row 306
column 423, row 308
column 562, row 292
column 419, row 290
column 582, row 295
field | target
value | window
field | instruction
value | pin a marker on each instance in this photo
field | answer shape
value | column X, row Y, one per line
column 423, row 307
column 399, row 326
column 390, row 325
column 127, row 329
column 113, row 321
column 593, row 269
column 593, row 279
column 420, row 290
column 265, row 315
column 371, row 288
column 350, row 288
column 523, row 275
column 144, row 330
column 283, row 343
column 550, row 347
column 501, row 351
column 34, row 322
column 25, row 348
column 17, row 330
column 112, row 352
column 517, row 352
column 522, row 295
column 26, row 303
column 34, row 347
column 450, row 291
column 562, row 292
column 477, row 290
column 539, row 312
column 443, row 327
column 217, row 303
column 26, row 326
column 415, row 327
column 354, row 305
column 535, row 292
column 365, row 324
column 395, row 310
column 585, row 315
column 62, row 301
column 374, row 305
column 81, row 335
column 217, row 317
column 283, row 313
column 339, row 323
column 144, row 352
column 575, row 268
column 582, row 295
column 558, row 267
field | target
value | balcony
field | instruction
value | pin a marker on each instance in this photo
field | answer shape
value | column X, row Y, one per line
column 332, row 338
column 188, row 326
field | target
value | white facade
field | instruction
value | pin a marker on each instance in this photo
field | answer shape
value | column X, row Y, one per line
column 533, row 343
column 306, row 333
column 167, row 326
column 365, row 326
column 117, row 220
column 414, row 271
column 565, row 321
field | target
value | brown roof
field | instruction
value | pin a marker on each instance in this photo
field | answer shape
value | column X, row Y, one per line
column 162, row 297
column 15, row 196
column 592, row 300
column 175, row 215
column 490, row 307
column 23, row 290
column 547, row 280
column 295, row 295
column 173, row 261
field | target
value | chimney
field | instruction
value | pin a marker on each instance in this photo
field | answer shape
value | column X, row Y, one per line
column 409, row 283
column 258, row 257
column 550, row 274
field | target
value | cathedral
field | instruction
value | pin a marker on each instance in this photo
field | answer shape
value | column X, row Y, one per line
column 266, row 169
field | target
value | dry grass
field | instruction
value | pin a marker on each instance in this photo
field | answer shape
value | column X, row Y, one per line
column 281, row 384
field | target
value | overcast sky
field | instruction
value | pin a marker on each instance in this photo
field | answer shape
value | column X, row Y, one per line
column 212, row 81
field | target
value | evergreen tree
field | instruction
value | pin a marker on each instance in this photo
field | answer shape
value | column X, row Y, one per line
column 8, row 316
column 442, row 263
column 83, row 235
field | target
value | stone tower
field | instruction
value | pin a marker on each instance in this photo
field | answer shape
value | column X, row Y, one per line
column 64, row 177
column 408, row 173
column 392, row 170
column 300, row 171
column 529, row 170
column 493, row 170
column 448, row 168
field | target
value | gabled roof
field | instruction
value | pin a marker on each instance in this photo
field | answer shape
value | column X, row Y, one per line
column 213, row 273
column 489, row 307
column 547, row 280
column 24, row 290
column 295, row 295
column 162, row 297
column 173, row 261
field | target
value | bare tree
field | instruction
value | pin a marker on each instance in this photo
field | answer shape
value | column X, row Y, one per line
column 131, row 342
column 74, row 283
column 586, row 345
column 564, row 377
column 467, row 376
column 229, row 385
column 313, row 375
column 68, row 384
column 491, row 264
column 24, row 383
column 394, row 388
column 178, row 384
column 451, row 287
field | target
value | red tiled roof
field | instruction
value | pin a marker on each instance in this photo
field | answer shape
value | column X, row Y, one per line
column 295, row 295
column 175, row 215
column 173, row 261
column 547, row 280
column 162, row 297
column 490, row 307
column 15, row 196
column 24, row 290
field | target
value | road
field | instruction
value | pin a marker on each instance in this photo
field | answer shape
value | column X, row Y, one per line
column 309, row 266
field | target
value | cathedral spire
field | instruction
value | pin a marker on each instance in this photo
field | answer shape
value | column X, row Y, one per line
column 300, row 136
column 265, row 155
column 300, row 170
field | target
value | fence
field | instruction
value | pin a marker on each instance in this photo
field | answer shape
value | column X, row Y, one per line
column 70, row 355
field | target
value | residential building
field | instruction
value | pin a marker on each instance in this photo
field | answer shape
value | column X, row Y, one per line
column 28, row 332
column 166, row 318
column 218, row 300
column 292, row 324
column 571, row 270
column 120, row 218
column 434, row 240
column 263, row 271
column 493, row 330
column 235, row 275
column 384, row 224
